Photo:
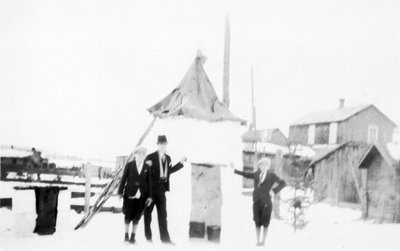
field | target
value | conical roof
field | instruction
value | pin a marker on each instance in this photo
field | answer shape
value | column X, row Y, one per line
column 195, row 97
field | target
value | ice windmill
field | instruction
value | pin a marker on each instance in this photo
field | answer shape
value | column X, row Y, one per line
column 202, row 128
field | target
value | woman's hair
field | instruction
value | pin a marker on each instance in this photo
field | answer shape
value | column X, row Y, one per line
column 264, row 160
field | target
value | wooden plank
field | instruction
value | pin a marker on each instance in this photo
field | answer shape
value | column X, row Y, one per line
column 87, row 187
column 364, row 198
column 353, row 172
column 54, row 182
column 7, row 168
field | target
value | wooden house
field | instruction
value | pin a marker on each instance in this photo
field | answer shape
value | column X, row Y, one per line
column 360, row 173
column 363, row 123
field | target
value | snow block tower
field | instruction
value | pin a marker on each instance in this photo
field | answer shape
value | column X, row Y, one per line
column 206, row 202
column 202, row 128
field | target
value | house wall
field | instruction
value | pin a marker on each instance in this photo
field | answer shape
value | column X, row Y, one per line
column 382, row 195
column 356, row 128
column 298, row 134
column 334, row 176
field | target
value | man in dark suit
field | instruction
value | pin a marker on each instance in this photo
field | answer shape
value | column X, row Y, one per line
column 161, row 170
column 136, row 190
column 264, row 181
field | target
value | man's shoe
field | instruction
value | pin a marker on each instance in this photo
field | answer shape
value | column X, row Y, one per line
column 132, row 239
column 149, row 240
column 168, row 242
column 126, row 237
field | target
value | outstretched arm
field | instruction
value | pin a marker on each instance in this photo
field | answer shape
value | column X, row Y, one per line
column 249, row 175
column 176, row 167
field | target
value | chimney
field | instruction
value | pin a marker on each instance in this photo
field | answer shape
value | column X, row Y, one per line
column 341, row 103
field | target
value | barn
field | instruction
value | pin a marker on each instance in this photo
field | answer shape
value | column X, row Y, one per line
column 361, row 173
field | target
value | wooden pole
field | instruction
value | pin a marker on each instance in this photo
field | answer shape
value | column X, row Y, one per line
column 278, row 165
column 364, row 189
column 87, row 167
column 253, row 106
column 353, row 172
column 148, row 129
column 254, row 121
column 225, row 99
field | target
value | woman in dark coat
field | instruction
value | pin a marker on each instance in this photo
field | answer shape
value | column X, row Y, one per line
column 136, row 190
column 264, row 181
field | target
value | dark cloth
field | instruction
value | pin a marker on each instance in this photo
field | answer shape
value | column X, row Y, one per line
column 262, row 191
column 160, row 201
column 132, row 181
column 133, row 209
column 155, row 174
column 160, row 186
column 46, row 209
column 262, row 213
column 262, row 204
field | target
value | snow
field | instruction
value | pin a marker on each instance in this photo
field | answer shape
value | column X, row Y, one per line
column 394, row 150
column 199, row 141
column 14, row 153
column 330, row 228
column 332, row 115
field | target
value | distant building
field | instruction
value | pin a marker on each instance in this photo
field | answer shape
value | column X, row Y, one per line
column 364, row 123
column 352, row 161
column 273, row 135
column 266, row 143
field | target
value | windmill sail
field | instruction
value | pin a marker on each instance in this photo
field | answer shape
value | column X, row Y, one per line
column 195, row 97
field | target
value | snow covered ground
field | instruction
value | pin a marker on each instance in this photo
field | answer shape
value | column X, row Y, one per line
column 330, row 228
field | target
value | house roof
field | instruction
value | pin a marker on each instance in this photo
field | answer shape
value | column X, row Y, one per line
column 382, row 151
column 324, row 153
column 327, row 116
column 15, row 153
column 259, row 135
column 270, row 148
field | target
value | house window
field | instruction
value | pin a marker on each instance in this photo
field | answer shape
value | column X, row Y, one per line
column 372, row 134
column 333, row 128
column 311, row 134
column 322, row 134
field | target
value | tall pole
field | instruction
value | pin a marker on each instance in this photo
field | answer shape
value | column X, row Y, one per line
column 225, row 98
column 254, row 121
column 253, row 106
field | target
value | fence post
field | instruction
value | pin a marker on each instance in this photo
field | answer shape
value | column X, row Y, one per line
column 364, row 192
column 87, row 167
column 278, row 166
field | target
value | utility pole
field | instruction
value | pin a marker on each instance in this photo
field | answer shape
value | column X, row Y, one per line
column 254, row 121
column 225, row 99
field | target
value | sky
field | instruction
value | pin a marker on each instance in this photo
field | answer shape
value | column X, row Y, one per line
column 77, row 76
